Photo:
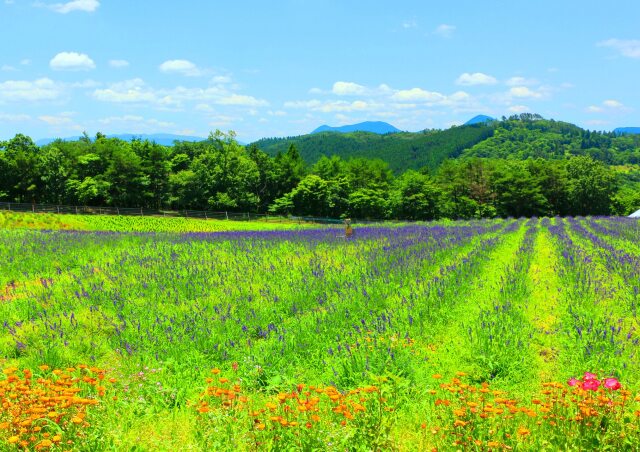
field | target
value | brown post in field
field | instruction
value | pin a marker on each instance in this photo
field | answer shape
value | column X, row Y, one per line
column 348, row 230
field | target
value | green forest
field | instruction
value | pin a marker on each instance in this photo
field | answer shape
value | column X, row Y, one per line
column 519, row 166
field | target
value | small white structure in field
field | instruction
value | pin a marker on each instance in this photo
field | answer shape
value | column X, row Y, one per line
column 635, row 214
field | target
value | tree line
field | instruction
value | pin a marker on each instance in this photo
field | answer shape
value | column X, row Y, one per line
column 220, row 174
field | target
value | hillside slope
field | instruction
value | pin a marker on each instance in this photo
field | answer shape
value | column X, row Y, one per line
column 402, row 150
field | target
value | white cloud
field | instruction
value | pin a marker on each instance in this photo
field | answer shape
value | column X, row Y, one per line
column 223, row 79
column 418, row 95
column 25, row 62
column 129, row 91
column 348, row 89
column 612, row 103
column 10, row 117
column 184, row 67
column 277, row 113
column 519, row 108
column 23, row 90
column 55, row 120
column 445, row 31
column 629, row 48
column 523, row 92
column 118, row 63
column 88, row 6
column 137, row 91
column 521, row 81
column 72, row 61
column 594, row 109
column 7, row 68
column 242, row 100
column 477, row 78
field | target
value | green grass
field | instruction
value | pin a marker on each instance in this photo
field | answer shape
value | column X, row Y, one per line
column 409, row 337
column 13, row 220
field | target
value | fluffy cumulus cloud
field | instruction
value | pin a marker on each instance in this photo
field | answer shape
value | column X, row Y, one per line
column 242, row 100
column 476, row 78
column 71, row 61
column 417, row 95
column 523, row 92
column 136, row 91
column 521, row 81
column 612, row 103
column 629, row 48
column 43, row 89
column 56, row 120
column 118, row 63
column 183, row 67
column 444, row 30
column 128, row 91
column 88, row 6
column 347, row 89
column 609, row 105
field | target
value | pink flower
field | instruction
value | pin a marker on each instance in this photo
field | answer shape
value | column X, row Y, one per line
column 573, row 381
column 591, row 384
column 590, row 376
column 612, row 383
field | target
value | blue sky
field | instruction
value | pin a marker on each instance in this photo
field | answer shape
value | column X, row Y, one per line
column 285, row 67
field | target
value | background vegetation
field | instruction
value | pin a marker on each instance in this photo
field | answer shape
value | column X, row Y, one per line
column 521, row 166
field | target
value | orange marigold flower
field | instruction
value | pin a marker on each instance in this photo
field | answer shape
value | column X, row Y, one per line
column 14, row 439
column 524, row 431
column 436, row 376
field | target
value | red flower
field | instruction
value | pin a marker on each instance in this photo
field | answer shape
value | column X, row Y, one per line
column 591, row 385
column 590, row 376
column 612, row 383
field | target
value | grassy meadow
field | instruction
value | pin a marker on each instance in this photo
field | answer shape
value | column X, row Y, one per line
column 123, row 333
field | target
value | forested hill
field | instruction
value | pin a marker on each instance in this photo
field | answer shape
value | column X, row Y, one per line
column 519, row 137
column 402, row 151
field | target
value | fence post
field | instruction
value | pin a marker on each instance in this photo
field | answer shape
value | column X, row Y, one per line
column 205, row 215
column 226, row 214
column 58, row 207
column 118, row 211
column 141, row 214
column 33, row 208
column 76, row 210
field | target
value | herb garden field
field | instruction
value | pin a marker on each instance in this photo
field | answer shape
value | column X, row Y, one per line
column 487, row 335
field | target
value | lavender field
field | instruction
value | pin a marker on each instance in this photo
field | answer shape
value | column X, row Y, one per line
column 482, row 335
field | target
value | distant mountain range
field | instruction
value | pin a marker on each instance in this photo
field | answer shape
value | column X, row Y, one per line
column 165, row 139
column 378, row 127
column 480, row 119
column 627, row 131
